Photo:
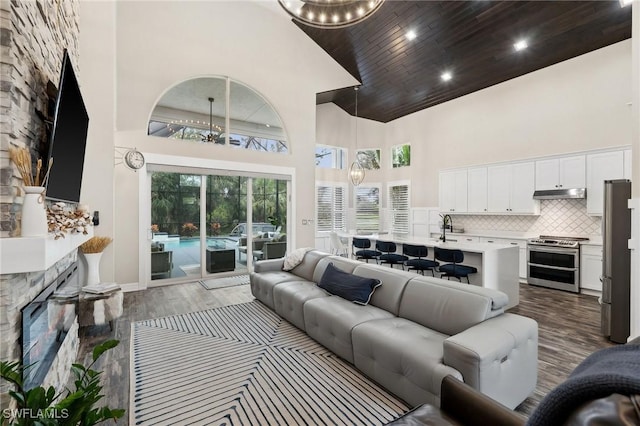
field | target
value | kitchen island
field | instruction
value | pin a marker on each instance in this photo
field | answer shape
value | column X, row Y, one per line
column 497, row 264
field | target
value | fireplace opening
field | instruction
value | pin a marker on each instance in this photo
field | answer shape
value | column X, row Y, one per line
column 45, row 323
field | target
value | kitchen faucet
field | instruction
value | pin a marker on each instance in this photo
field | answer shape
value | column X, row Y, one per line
column 446, row 219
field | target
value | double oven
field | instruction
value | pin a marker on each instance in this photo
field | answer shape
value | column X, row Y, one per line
column 554, row 262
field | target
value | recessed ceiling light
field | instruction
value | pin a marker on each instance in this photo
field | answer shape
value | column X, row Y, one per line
column 624, row 3
column 446, row 76
column 520, row 45
column 411, row 35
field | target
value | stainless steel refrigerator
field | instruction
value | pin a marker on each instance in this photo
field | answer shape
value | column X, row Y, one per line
column 616, row 260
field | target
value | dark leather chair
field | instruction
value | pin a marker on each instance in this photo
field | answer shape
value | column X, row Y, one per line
column 389, row 254
column 419, row 262
column 460, row 404
column 364, row 253
column 454, row 267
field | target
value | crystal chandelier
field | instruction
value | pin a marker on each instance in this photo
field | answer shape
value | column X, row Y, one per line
column 356, row 171
column 330, row 13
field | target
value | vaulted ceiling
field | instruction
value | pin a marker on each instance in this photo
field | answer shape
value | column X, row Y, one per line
column 473, row 40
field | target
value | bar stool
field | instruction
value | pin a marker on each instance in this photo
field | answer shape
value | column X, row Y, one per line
column 418, row 263
column 454, row 268
column 390, row 256
column 364, row 253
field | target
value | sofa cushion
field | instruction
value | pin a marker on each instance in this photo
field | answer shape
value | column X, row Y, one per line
column 329, row 321
column 342, row 263
column 499, row 300
column 446, row 309
column 348, row 286
column 308, row 265
column 290, row 297
column 393, row 282
column 294, row 258
column 263, row 283
column 402, row 356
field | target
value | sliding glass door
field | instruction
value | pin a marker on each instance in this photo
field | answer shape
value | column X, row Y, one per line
column 201, row 223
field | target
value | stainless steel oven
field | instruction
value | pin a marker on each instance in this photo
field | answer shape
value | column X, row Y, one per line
column 554, row 262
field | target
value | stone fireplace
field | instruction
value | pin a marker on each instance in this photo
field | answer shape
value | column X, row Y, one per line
column 33, row 270
column 46, row 321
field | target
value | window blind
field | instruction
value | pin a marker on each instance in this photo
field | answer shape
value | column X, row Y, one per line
column 399, row 207
column 330, row 208
column 367, row 209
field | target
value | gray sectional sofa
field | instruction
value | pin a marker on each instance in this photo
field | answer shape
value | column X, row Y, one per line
column 415, row 330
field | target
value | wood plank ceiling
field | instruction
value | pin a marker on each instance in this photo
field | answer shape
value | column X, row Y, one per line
column 474, row 40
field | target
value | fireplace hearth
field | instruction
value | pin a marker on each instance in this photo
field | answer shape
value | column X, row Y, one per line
column 46, row 322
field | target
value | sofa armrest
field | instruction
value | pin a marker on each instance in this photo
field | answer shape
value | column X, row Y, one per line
column 268, row 265
column 472, row 408
column 498, row 357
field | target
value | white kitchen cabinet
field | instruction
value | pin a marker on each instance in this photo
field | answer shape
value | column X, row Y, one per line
column 511, row 187
column 453, row 191
column 522, row 246
column 477, row 190
column 600, row 167
column 627, row 164
column 499, row 188
column 590, row 267
column 562, row 172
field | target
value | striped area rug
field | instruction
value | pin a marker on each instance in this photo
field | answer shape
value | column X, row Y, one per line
column 244, row 365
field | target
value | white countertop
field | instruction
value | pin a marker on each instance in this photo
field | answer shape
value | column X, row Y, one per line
column 432, row 242
column 513, row 235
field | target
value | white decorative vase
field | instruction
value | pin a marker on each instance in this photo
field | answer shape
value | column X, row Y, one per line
column 93, row 268
column 34, row 217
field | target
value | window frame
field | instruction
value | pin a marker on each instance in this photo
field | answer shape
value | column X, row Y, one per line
column 359, row 227
column 406, row 212
column 335, row 158
column 334, row 212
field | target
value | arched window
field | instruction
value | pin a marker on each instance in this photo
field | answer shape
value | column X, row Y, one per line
column 221, row 111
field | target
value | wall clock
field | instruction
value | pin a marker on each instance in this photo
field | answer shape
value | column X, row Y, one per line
column 134, row 159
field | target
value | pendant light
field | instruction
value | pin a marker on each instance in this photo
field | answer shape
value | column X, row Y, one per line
column 356, row 171
column 210, row 137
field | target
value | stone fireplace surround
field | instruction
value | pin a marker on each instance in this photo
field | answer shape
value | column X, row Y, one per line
column 18, row 287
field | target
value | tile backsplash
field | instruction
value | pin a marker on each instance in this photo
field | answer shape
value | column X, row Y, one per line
column 557, row 217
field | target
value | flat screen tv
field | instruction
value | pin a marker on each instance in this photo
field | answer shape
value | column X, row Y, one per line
column 68, row 138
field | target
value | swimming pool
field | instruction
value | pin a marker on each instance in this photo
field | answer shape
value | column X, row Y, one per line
column 213, row 242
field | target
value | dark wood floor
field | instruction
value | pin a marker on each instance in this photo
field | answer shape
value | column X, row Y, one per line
column 568, row 331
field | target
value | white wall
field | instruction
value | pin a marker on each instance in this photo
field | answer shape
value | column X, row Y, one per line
column 575, row 105
column 159, row 44
column 97, row 61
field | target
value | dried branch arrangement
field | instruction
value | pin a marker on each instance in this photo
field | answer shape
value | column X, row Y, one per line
column 61, row 221
column 95, row 244
column 21, row 157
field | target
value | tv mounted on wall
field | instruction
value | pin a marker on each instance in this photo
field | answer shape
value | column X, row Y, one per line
column 68, row 138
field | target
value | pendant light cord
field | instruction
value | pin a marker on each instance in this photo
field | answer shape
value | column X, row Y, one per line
column 211, row 116
column 356, row 89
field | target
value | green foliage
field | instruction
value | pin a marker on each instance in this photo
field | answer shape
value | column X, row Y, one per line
column 401, row 155
column 38, row 406
column 175, row 200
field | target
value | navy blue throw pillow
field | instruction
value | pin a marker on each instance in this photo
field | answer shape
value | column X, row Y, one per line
column 348, row 286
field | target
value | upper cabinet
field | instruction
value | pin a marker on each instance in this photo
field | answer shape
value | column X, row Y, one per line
column 453, row 191
column 477, row 190
column 510, row 188
column 600, row 167
column 559, row 173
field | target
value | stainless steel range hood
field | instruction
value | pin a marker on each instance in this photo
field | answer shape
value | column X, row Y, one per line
column 556, row 194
